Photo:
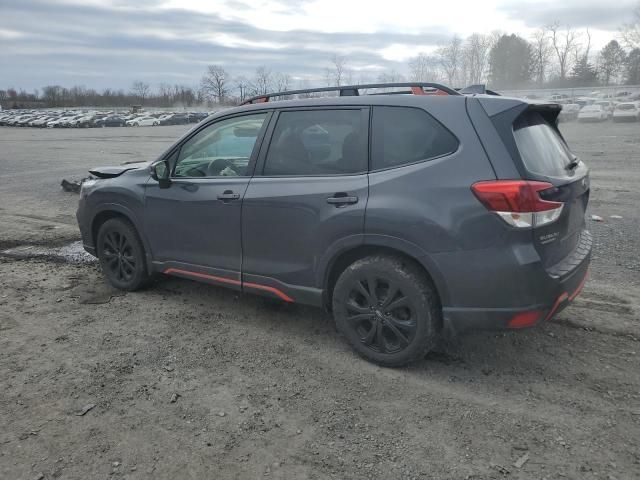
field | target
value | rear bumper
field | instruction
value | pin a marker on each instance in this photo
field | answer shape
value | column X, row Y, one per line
column 551, row 291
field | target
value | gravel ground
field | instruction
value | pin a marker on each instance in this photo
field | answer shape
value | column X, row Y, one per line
column 185, row 380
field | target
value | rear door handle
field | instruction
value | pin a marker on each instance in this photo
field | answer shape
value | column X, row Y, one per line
column 228, row 195
column 342, row 199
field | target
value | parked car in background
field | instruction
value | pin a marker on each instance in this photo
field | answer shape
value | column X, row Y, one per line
column 593, row 113
column 143, row 122
column 196, row 117
column 569, row 112
column 626, row 112
column 607, row 105
column 110, row 121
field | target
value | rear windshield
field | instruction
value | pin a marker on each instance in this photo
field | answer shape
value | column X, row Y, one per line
column 541, row 147
column 625, row 106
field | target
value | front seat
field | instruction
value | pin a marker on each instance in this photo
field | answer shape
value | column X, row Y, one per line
column 353, row 156
column 290, row 157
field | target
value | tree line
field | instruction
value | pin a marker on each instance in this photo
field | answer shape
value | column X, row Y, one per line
column 553, row 56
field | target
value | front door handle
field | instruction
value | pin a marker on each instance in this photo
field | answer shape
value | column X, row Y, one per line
column 342, row 199
column 228, row 195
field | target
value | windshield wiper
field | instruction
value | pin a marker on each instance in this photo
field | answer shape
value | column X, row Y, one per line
column 572, row 164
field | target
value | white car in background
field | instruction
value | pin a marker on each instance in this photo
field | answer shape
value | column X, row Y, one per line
column 608, row 106
column 626, row 112
column 143, row 122
column 569, row 112
column 593, row 113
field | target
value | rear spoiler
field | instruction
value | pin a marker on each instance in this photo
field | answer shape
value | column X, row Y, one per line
column 479, row 89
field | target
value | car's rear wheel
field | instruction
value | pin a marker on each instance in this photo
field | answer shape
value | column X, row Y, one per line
column 121, row 255
column 387, row 309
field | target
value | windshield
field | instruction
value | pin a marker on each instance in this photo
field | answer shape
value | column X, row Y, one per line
column 541, row 147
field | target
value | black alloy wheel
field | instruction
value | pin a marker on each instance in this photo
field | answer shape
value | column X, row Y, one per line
column 121, row 254
column 387, row 309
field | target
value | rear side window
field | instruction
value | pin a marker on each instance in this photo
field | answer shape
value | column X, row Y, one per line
column 541, row 147
column 318, row 142
column 403, row 135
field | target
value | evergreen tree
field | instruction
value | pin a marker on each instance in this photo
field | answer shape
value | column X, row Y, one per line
column 583, row 74
column 510, row 62
column 632, row 67
column 612, row 58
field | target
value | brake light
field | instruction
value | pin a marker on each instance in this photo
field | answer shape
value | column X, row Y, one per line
column 518, row 202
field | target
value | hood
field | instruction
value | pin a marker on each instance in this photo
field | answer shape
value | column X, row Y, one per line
column 116, row 171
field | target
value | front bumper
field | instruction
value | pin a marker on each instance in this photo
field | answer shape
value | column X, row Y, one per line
column 551, row 292
column 84, row 224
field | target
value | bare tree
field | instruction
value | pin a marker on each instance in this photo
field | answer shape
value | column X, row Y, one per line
column 391, row 77
column 262, row 80
column 282, row 82
column 630, row 32
column 215, row 83
column 450, row 58
column 243, row 86
column 423, row 68
column 475, row 56
column 338, row 73
column 141, row 90
column 564, row 43
column 541, row 53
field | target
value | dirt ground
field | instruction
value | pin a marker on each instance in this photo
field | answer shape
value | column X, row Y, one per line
column 185, row 380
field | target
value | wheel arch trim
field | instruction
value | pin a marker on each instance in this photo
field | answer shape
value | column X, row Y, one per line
column 123, row 211
column 391, row 244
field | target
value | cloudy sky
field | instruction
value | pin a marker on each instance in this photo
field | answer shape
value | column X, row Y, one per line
column 111, row 43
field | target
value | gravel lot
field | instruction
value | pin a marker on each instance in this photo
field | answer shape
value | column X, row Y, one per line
column 193, row 381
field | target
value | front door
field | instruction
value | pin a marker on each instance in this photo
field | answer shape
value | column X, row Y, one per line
column 308, row 196
column 193, row 226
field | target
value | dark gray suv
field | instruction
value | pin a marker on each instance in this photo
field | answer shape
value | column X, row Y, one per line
column 408, row 215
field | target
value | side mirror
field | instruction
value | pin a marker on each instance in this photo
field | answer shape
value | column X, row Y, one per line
column 160, row 172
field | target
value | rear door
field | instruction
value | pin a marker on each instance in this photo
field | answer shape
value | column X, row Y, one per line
column 546, row 157
column 307, row 198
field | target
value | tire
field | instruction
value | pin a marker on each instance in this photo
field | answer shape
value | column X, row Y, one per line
column 121, row 255
column 389, row 331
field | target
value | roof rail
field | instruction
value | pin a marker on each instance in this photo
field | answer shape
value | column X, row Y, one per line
column 417, row 88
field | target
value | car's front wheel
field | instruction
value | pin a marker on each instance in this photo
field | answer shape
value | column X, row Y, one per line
column 387, row 309
column 121, row 255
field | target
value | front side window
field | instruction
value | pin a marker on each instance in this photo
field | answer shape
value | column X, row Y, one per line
column 222, row 149
column 404, row 135
column 318, row 142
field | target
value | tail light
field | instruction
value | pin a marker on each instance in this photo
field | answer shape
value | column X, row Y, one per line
column 518, row 202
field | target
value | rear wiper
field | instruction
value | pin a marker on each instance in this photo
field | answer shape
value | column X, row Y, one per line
column 572, row 164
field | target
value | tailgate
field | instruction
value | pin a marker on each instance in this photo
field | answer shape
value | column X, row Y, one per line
column 546, row 157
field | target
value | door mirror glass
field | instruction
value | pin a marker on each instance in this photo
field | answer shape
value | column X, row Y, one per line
column 160, row 172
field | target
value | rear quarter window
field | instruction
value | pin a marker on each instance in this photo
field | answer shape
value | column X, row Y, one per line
column 542, row 149
column 404, row 135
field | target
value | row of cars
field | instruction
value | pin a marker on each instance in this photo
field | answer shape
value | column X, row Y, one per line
column 93, row 119
column 599, row 108
column 601, row 111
